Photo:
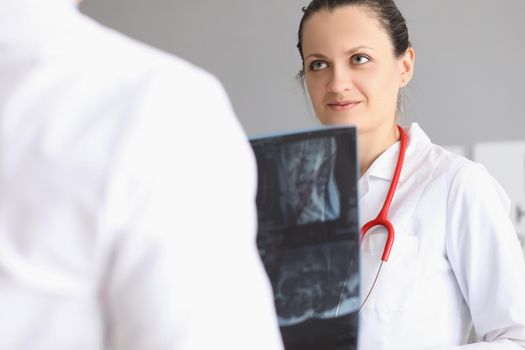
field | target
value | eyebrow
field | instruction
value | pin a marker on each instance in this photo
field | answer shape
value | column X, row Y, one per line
column 347, row 52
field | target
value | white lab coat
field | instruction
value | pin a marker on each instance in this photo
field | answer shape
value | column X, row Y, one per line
column 456, row 261
column 127, row 216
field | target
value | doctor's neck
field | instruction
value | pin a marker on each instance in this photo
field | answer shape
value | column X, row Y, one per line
column 372, row 143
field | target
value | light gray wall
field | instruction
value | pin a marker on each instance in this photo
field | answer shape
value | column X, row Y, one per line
column 469, row 81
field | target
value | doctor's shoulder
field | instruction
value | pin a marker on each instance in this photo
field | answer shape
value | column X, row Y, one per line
column 468, row 182
column 137, row 67
column 178, row 99
column 161, row 86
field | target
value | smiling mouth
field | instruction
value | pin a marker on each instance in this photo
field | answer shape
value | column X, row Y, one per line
column 343, row 105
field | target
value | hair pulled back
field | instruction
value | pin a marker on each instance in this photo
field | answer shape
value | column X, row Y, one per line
column 385, row 11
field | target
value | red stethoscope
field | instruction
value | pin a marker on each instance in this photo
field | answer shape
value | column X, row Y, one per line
column 382, row 217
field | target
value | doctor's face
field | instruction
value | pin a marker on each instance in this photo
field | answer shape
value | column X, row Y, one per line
column 351, row 71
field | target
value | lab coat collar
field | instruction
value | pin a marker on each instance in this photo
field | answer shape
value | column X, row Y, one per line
column 384, row 166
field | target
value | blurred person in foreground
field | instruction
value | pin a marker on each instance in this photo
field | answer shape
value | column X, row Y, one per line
column 127, row 215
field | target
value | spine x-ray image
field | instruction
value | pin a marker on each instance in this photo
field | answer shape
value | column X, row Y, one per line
column 308, row 235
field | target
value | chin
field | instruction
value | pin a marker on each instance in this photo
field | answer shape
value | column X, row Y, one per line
column 340, row 120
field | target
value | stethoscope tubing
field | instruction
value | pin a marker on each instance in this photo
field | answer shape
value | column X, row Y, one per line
column 382, row 220
column 382, row 217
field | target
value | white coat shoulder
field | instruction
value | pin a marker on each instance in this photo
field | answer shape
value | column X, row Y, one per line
column 468, row 177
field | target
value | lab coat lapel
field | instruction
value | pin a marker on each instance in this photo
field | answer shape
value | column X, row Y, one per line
column 420, row 163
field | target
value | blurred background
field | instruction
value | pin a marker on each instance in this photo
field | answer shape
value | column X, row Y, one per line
column 467, row 93
column 469, row 80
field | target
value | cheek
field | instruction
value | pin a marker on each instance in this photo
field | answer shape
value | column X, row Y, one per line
column 381, row 86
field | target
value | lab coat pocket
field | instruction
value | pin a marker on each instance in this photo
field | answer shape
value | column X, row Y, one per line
column 398, row 276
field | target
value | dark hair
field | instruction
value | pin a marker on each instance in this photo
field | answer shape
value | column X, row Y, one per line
column 385, row 11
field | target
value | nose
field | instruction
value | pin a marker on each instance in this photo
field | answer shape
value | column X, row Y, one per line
column 340, row 79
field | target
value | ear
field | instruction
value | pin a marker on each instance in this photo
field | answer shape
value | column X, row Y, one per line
column 406, row 66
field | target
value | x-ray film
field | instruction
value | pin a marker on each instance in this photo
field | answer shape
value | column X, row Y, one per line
column 308, row 235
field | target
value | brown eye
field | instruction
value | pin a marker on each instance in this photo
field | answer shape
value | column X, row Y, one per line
column 318, row 65
column 360, row 59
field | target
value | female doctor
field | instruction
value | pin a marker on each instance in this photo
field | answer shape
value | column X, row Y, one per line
column 455, row 264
